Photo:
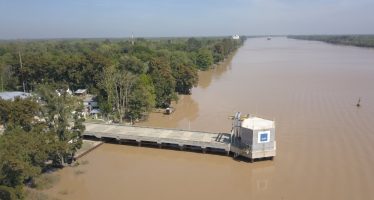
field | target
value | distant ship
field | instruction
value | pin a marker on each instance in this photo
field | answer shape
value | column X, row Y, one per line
column 269, row 38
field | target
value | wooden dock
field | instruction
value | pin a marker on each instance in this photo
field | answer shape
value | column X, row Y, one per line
column 183, row 139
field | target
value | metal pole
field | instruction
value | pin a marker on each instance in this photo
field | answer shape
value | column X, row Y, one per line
column 20, row 62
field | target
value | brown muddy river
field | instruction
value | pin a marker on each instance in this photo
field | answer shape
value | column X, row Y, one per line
column 325, row 143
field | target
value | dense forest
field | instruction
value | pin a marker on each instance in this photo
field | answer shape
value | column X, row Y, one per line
column 130, row 78
column 352, row 40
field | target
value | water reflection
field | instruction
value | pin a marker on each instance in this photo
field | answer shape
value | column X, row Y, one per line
column 206, row 77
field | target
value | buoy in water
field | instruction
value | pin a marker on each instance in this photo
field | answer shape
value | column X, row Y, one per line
column 359, row 102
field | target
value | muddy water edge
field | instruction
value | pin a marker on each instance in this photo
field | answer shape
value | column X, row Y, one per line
column 325, row 143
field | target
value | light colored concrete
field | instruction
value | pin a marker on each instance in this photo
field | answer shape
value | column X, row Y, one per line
column 158, row 135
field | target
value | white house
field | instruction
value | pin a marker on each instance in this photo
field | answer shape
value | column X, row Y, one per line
column 81, row 92
column 235, row 37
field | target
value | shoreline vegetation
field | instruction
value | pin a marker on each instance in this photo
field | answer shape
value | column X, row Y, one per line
column 349, row 40
column 129, row 78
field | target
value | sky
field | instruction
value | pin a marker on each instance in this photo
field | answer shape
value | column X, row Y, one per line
column 29, row 19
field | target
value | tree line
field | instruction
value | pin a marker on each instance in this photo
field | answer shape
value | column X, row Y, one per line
column 351, row 40
column 129, row 77
column 40, row 133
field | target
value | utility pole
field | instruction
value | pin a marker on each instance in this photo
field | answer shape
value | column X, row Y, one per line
column 132, row 39
column 20, row 62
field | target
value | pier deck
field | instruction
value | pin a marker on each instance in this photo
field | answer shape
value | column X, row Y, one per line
column 160, row 136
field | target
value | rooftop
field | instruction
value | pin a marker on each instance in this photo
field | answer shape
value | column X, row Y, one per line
column 256, row 123
column 13, row 95
column 80, row 91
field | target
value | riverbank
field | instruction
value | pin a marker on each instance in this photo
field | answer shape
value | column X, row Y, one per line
column 186, row 108
column 87, row 147
column 349, row 40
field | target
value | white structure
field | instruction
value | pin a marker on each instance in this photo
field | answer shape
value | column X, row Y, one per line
column 60, row 92
column 13, row 95
column 90, row 105
column 253, row 137
column 235, row 37
column 81, row 92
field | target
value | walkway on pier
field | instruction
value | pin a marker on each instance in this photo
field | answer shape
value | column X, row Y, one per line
column 160, row 136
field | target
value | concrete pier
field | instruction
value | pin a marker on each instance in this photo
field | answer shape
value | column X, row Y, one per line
column 194, row 140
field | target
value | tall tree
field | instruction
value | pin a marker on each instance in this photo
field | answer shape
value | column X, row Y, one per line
column 57, row 111
column 118, row 86
column 204, row 59
column 184, row 72
column 163, row 80
column 142, row 99
column 19, row 113
column 123, row 87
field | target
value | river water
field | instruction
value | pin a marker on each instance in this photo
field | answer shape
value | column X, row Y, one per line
column 325, row 144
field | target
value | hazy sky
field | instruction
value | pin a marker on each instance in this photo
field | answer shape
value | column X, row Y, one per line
column 148, row 18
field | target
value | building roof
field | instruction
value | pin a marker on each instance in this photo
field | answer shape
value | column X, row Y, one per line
column 80, row 91
column 13, row 95
column 256, row 123
column 90, row 98
column 95, row 111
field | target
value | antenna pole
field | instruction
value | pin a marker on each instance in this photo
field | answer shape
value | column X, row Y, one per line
column 132, row 38
column 20, row 62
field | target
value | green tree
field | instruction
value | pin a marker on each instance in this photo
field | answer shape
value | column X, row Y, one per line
column 8, row 81
column 204, row 59
column 184, row 72
column 107, row 86
column 123, row 87
column 19, row 113
column 218, row 52
column 57, row 111
column 15, row 167
column 163, row 80
column 132, row 64
column 193, row 44
column 142, row 100
column 118, row 86
column 7, row 193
